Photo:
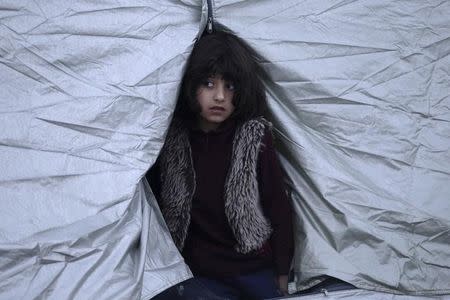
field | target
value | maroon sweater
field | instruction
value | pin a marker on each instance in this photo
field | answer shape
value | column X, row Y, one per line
column 209, row 246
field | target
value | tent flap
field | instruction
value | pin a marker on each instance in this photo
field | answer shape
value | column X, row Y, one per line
column 360, row 106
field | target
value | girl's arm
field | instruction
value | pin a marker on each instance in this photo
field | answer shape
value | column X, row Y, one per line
column 277, row 207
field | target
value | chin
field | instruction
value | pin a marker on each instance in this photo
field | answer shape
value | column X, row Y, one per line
column 216, row 120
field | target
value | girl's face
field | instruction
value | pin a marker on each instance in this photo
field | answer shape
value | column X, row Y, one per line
column 215, row 97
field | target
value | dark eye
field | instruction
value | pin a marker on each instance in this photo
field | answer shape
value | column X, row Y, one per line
column 231, row 86
column 208, row 83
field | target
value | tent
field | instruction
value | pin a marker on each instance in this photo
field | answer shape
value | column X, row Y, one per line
column 360, row 106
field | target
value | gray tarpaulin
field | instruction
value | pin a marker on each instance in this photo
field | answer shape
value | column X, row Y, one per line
column 361, row 107
column 357, row 294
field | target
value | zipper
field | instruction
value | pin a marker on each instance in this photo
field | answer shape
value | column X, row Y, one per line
column 210, row 23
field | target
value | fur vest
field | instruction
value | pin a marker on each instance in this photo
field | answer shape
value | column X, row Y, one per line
column 242, row 204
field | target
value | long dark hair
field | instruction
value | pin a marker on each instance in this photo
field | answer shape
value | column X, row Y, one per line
column 224, row 53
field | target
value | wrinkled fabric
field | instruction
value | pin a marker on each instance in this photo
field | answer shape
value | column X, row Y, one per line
column 357, row 294
column 87, row 88
column 361, row 102
column 360, row 105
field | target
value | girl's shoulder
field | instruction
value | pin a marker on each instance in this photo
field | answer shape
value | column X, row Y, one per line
column 257, row 130
column 257, row 123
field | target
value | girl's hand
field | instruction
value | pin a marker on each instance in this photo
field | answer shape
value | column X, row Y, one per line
column 282, row 282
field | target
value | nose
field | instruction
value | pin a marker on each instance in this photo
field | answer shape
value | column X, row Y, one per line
column 220, row 92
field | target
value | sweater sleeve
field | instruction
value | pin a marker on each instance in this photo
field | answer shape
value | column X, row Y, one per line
column 276, row 206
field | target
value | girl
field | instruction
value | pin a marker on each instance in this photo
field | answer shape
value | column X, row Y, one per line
column 218, row 181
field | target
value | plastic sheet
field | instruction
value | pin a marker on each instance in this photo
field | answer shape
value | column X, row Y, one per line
column 364, row 295
column 87, row 89
column 361, row 107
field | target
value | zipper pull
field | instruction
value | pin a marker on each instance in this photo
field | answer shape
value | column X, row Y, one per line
column 209, row 27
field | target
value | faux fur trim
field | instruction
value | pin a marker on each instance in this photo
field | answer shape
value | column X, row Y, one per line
column 242, row 203
column 178, row 182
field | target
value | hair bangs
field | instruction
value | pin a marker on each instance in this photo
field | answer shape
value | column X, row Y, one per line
column 226, row 67
column 218, row 60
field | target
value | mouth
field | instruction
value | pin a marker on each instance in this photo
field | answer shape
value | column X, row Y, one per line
column 217, row 108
